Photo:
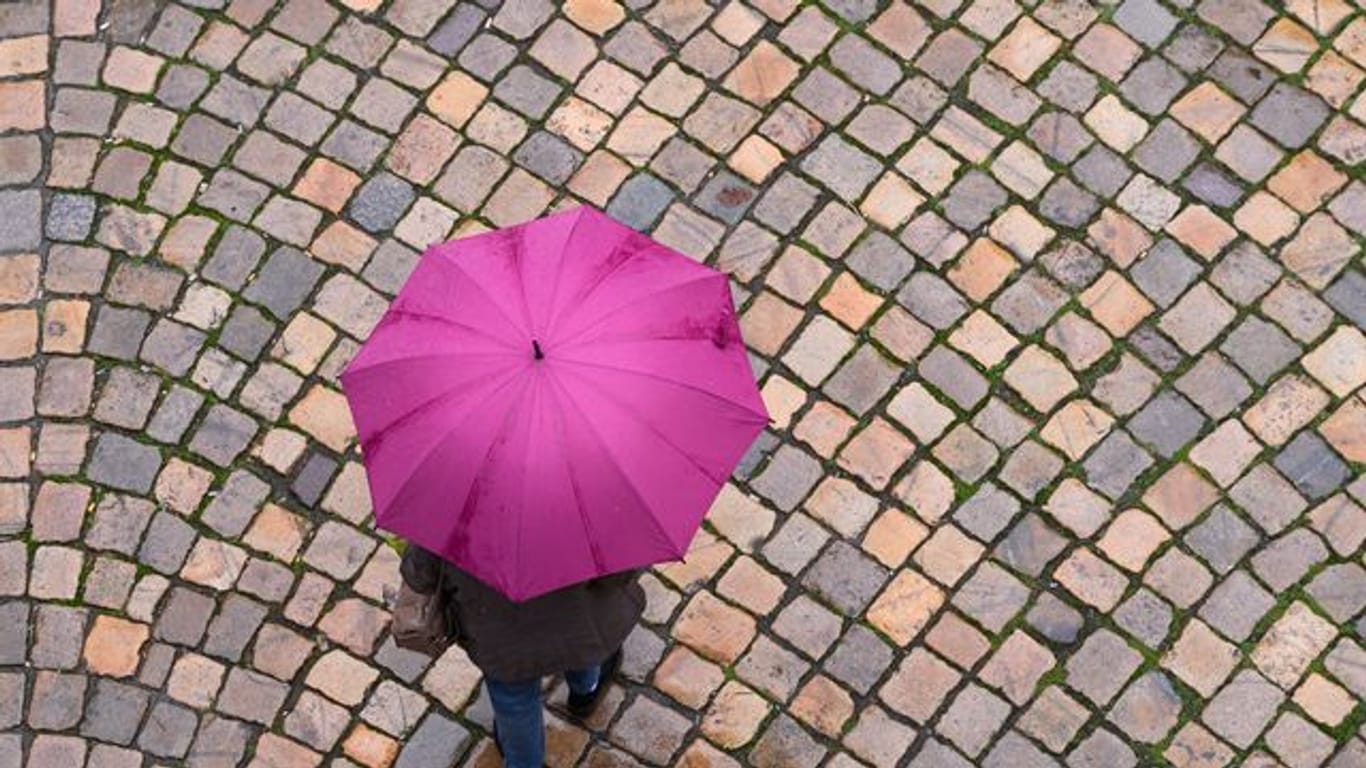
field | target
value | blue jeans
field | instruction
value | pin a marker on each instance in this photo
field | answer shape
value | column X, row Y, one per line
column 520, row 719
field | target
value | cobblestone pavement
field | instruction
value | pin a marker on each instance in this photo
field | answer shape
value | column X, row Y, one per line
column 1057, row 306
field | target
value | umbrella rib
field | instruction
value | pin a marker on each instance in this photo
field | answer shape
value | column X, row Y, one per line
column 534, row 396
column 593, row 289
column 400, row 314
column 759, row 418
column 409, row 415
column 633, row 302
column 584, row 521
column 519, row 254
column 465, row 507
column 555, row 289
column 665, row 439
column 432, row 355
column 492, row 301
column 593, row 430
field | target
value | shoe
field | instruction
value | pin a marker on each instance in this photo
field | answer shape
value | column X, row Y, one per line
column 583, row 707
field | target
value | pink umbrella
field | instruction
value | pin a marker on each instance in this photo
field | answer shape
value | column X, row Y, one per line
column 553, row 402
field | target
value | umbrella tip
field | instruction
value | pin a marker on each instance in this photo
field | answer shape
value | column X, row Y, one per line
column 536, row 350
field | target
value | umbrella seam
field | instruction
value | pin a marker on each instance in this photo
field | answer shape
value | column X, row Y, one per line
column 592, row 429
column 430, row 402
column 518, row 255
column 398, row 314
column 428, row 454
column 559, row 273
column 618, row 248
column 509, row 355
column 562, row 343
column 465, row 508
column 479, row 287
column 662, row 438
column 763, row 418
column 522, row 505
column 598, row 562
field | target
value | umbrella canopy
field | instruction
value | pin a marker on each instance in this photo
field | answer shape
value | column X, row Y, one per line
column 553, row 402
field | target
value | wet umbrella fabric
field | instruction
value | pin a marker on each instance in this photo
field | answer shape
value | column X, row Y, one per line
column 552, row 402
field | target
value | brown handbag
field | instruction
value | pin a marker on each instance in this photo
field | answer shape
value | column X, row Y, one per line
column 420, row 621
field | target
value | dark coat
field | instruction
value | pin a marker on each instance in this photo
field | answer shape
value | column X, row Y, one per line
column 572, row 628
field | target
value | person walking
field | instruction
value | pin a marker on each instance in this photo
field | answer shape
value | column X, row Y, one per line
column 543, row 411
column 577, row 631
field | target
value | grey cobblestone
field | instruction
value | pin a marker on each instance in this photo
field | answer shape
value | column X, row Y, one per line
column 1053, row 305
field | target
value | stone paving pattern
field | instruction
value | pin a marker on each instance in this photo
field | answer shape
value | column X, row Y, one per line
column 1057, row 306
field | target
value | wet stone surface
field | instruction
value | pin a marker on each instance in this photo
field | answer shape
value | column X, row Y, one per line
column 1058, row 309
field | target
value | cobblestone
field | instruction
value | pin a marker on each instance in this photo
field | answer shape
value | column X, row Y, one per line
column 1056, row 309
